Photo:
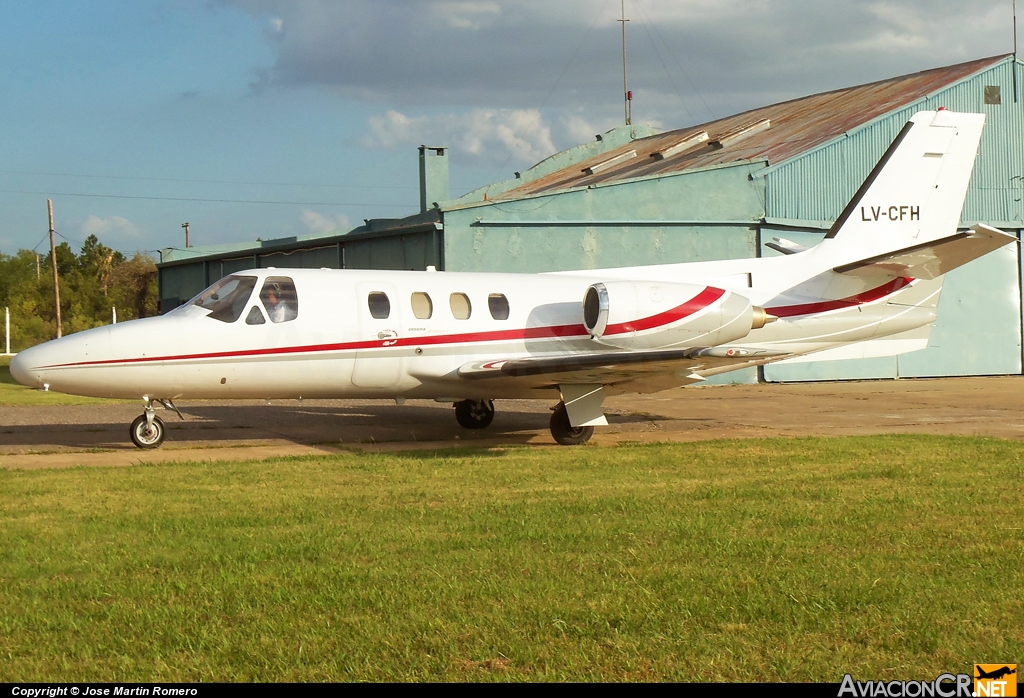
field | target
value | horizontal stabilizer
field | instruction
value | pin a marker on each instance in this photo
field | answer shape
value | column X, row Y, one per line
column 930, row 260
column 894, row 345
column 785, row 246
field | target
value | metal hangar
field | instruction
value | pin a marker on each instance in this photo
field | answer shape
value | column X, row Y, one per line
column 718, row 190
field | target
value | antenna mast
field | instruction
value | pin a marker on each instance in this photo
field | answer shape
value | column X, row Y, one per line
column 625, row 88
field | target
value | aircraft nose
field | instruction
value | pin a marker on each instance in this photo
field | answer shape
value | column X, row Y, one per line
column 21, row 368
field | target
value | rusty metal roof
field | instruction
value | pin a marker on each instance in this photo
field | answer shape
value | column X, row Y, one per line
column 795, row 127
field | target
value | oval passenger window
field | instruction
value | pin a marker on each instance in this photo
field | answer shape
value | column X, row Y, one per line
column 461, row 308
column 380, row 306
column 498, row 305
column 422, row 308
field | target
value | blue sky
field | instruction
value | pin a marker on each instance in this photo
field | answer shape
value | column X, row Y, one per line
column 130, row 114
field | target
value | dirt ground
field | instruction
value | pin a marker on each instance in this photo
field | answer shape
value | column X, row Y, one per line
column 53, row 437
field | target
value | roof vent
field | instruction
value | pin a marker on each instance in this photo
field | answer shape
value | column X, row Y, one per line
column 690, row 140
column 741, row 133
column 610, row 162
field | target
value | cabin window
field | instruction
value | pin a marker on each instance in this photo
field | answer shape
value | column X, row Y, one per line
column 279, row 298
column 498, row 305
column 422, row 307
column 227, row 298
column 380, row 306
column 461, row 307
column 255, row 316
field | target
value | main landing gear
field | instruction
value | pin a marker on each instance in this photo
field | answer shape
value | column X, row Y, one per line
column 474, row 414
column 147, row 431
column 478, row 414
column 563, row 430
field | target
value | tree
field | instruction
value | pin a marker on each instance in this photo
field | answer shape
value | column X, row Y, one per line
column 90, row 284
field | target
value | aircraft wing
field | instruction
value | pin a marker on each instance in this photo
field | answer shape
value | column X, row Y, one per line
column 930, row 260
column 623, row 371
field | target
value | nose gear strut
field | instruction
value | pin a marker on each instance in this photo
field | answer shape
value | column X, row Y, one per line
column 147, row 431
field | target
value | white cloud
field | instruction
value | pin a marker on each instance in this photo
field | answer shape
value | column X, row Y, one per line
column 319, row 223
column 463, row 14
column 720, row 56
column 115, row 226
column 481, row 134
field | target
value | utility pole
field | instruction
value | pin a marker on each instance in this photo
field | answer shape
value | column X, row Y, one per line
column 185, row 226
column 53, row 259
column 625, row 88
column 7, row 328
column 37, row 267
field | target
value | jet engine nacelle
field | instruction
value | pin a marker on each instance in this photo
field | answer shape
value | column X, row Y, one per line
column 644, row 315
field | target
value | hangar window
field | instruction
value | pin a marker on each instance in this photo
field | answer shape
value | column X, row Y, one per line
column 461, row 307
column 379, row 304
column 422, row 307
column 992, row 95
column 279, row 298
column 227, row 298
column 498, row 305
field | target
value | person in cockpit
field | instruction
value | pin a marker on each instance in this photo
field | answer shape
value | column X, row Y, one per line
column 276, row 300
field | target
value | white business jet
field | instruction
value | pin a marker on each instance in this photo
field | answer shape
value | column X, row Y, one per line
column 870, row 288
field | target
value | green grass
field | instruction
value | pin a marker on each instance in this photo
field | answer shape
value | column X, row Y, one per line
column 14, row 394
column 787, row 559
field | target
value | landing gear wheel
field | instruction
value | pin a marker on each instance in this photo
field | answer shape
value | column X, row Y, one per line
column 145, row 434
column 474, row 414
column 563, row 430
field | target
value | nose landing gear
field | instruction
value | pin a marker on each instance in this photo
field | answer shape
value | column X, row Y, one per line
column 147, row 431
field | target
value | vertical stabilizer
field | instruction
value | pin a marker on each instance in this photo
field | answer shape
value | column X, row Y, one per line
column 916, row 191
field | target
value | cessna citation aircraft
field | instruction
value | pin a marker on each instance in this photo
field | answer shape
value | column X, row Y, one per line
column 870, row 288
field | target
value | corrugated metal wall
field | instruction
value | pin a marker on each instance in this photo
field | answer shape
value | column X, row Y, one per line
column 818, row 184
column 179, row 282
column 697, row 215
column 978, row 329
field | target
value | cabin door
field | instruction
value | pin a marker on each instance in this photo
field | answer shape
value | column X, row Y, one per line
column 378, row 361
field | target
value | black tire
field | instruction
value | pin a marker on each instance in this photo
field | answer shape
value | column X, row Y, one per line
column 146, row 436
column 474, row 414
column 563, row 430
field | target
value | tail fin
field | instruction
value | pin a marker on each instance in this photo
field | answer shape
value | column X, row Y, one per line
column 916, row 192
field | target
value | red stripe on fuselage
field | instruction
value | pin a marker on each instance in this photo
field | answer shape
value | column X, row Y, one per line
column 849, row 302
column 703, row 299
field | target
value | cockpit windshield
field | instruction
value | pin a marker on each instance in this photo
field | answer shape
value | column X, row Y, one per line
column 227, row 298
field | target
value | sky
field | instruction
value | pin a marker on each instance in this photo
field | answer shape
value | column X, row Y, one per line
column 272, row 118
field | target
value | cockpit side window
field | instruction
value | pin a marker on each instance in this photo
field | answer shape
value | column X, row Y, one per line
column 280, row 299
column 255, row 316
column 227, row 298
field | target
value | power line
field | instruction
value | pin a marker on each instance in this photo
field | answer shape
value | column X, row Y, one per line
column 558, row 80
column 212, row 201
column 45, row 235
column 661, row 60
column 679, row 65
column 67, row 239
column 203, row 181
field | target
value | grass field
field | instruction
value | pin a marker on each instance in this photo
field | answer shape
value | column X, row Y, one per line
column 11, row 393
column 887, row 557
